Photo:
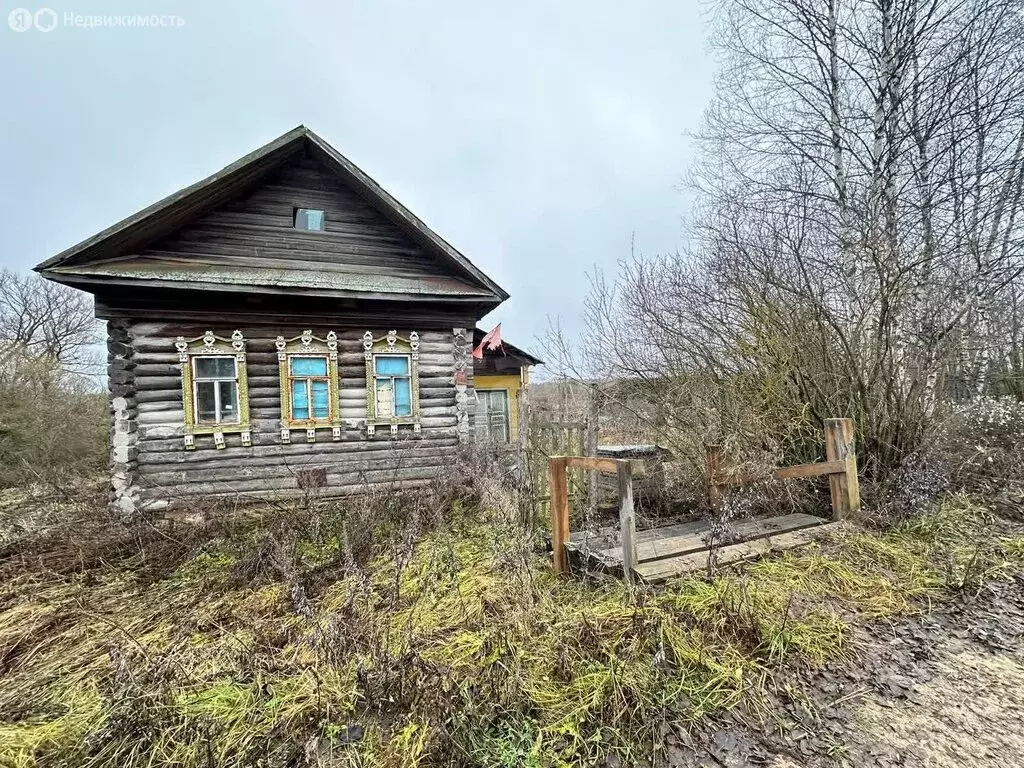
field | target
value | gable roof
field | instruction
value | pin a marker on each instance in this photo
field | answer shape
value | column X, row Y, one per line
column 100, row 258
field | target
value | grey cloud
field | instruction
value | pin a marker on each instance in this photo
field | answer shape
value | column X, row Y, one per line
column 536, row 137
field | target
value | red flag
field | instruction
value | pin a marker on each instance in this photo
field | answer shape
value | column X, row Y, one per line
column 491, row 340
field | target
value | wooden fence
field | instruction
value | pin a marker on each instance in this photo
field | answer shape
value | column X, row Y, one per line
column 547, row 439
column 840, row 466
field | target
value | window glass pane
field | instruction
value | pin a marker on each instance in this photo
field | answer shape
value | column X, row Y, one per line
column 385, row 398
column 300, row 400
column 492, row 415
column 391, row 365
column 498, row 427
column 403, row 397
column 321, row 409
column 206, row 403
column 309, row 218
column 482, row 422
column 228, row 401
column 498, row 402
column 215, row 367
column 309, row 366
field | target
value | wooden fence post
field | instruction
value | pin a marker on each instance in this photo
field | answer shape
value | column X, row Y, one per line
column 593, row 411
column 627, row 521
column 527, row 503
column 840, row 446
column 716, row 463
column 559, row 505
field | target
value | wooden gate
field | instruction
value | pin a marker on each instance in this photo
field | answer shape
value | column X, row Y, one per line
column 546, row 439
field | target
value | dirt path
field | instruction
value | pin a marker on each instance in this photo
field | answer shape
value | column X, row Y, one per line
column 944, row 690
column 969, row 714
column 955, row 693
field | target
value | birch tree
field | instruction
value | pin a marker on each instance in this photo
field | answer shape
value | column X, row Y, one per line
column 857, row 245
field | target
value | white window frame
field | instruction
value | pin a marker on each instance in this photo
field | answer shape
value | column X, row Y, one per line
column 197, row 380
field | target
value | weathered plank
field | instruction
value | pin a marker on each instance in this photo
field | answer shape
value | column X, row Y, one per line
column 662, row 547
column 267, row 436
column 840, row 448
column 343, row 466
column 735, row 477
column 661, row 570
column 609, row 533
column 591, row 463
column 627, row 521
column 181, row 505
column 811, row 470
column 267, row 488
column 328, row 451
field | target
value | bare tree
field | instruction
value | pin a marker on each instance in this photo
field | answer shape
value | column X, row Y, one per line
column 48, row 320
column 857, row 247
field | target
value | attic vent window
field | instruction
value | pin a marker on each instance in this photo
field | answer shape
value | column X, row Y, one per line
column 309, row 219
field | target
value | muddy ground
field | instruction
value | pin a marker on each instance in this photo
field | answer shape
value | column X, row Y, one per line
column 942, row 690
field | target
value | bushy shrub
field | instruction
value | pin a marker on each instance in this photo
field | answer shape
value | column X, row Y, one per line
column 985, row 448
column 977, row 447
column 52, row 426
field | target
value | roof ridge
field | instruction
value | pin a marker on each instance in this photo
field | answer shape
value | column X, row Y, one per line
column 175, row 210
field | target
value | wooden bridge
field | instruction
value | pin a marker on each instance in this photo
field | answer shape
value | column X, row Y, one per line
column 661, row 553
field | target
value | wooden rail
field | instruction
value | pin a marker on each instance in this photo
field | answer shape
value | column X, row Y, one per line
column 840, row 466
column 557, row 482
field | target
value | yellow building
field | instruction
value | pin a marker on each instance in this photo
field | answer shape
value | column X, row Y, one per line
column 500, row 380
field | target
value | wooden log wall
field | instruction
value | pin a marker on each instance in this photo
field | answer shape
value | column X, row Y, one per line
column 124, row 489
column 152, row 468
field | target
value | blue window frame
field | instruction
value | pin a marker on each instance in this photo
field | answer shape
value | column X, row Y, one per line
column 310, row 383
column 393, row 385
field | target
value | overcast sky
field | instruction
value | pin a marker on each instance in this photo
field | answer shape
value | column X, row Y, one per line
column 537, row 138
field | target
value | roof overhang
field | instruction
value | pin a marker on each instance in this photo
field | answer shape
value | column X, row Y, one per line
column 512, row 349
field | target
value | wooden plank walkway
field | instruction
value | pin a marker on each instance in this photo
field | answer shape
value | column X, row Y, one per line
column 677, row 549
column 661, row 570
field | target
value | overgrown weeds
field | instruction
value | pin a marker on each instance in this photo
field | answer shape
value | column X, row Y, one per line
column 441, row 638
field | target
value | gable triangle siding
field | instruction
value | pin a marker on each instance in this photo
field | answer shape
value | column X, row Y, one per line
column 257, row 229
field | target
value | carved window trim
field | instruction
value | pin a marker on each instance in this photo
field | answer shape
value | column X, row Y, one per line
column 308, row 345
column 391, row 344
column 206, row 345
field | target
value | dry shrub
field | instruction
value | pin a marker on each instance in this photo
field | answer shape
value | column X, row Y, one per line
column 446, row 641
column 984, row 445
column 977, row 448
column 52, row 425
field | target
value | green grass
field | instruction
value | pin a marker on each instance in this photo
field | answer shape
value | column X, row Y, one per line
column 467, row 652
